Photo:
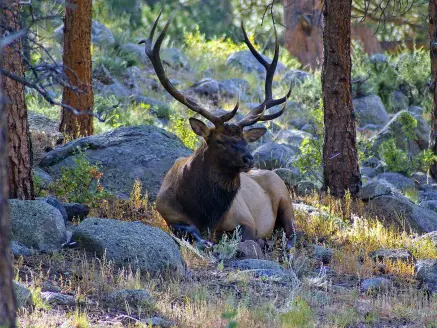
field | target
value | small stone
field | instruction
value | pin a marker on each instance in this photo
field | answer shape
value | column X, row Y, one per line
column 157, row 322
column 321, row 253
column 18, row 249
column 76, row 211
column 392, row 255
column 375, row 284
column 54, row 298
column 132, row 298
column 254, row 264
column 249, row 249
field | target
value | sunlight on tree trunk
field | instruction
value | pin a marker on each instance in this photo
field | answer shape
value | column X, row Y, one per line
column 340, row 159
column 77, row 63
column 20, row 150
column 433, row 53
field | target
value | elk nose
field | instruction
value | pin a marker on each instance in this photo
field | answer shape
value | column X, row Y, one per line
column 248, row 159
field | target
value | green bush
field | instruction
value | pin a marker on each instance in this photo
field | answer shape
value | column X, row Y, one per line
column 182, row 129
column 396, row 159
column 81, row 183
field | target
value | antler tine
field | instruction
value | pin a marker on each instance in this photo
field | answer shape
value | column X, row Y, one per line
column 256, row 114
column 152, row 51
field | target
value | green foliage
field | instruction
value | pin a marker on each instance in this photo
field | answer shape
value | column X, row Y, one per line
column 396, row 159
column 427, row 158
column 40, row 191
column 408, row 124
column 226, row 248
column 81, row 183
column 413, row 72
column 300, row 316
column 182, row 129
column 230, row 317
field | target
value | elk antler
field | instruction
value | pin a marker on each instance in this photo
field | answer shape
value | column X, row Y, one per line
column 152, row 51
column 257, row 114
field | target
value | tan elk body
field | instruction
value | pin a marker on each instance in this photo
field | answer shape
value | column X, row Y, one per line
column 215, row 189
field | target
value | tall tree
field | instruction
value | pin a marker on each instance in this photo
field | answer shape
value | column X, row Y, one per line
column 340, row 159
column 77, row 66
column 433, row 53
column 7, row 297
column 19, row 151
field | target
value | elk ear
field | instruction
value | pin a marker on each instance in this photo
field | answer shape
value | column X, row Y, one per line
column 254, row 134
column 199, row 127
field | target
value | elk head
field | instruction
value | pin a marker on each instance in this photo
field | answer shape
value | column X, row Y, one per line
column 227, row 141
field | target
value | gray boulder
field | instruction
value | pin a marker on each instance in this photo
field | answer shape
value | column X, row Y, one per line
column 376, row 188
column 401, row 212
column 143, row 247
column 76, row 211
column 174, row 58
column 54, row 298
column 36, row 224
column 23, row 295
column 375, row 284
column 214, row 90
column 426, row 273
column 401, row 182
column 385, row 254
column 295, row 77
column 100, row 34
column 430, row 204
column 44, row 180
column 393, row 129
column 44, row 134
column 370, row 110
column 125, row 154
column 116, row 89
column 56, row 204
column 133, row 299
column 246, row 62
column 271, row 156
column 136, row 51
column 18, row 249
column 292, row 138
column 416, row 110
column 249, row 249
column 237, row 83
column 290, row 176
column 399, row 101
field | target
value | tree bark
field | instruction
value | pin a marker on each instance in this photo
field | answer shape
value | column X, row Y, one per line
column 340, row 160
column 20, row 149
column 303, row 34
column 77, row 63
column 433, row 53
column 7, row 297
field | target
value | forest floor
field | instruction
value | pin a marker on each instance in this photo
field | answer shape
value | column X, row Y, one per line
column 318, row 292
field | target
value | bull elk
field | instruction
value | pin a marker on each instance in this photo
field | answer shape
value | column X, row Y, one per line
column 215, row 189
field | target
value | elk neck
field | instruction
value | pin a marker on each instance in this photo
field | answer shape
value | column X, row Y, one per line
column 209, row 190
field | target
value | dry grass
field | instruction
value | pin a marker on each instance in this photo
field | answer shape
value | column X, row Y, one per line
column 215, row 296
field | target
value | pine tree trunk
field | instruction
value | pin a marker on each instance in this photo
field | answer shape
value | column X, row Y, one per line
column 340, row 160
column 303, row 35
column 433, row 52
column 7, row 298
column 20, row 149
column 77, row 63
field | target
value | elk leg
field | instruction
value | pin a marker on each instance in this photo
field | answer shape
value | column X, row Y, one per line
column 248, row 233
column 285, row 218
column 193, row 231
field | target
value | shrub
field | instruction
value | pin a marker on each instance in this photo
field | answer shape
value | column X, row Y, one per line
column 182, row 129
column 81, row 183
column 396, row 159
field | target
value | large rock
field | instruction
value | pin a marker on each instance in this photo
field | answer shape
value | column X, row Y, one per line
column 45, row 135
column 133, row 299
column 426, row 273
column 401, row 182
column 143, row 247
column 214, row 90
column 295, row 77
column 100, row 34
column 370, row 110
column 246, row 62
column 393, row 129
column 23, row 295
column 399, row 101
column 376, row 188
column 292, row 138
column 402, row 213
column 126, row 154
column 272, row 156
column 36, row 224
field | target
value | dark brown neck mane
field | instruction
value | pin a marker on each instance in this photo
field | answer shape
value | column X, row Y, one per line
column 208, row 191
